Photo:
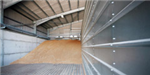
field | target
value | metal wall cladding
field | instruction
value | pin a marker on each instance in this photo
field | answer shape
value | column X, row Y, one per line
column 102, row 69
column 104, row 36
column 103, row 19
column 134, row 25
column 106, row 14
column 133, row 60
column 105, row 54
column 14, row 15
column 88, row 68
column 128, row 57
column 41, row 33
column 94, row 14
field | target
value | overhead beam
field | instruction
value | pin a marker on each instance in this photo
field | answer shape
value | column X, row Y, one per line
column 41, row 21
column 8, row 3
column 54, row 28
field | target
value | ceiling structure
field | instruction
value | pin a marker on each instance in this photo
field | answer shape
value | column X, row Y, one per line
column 55, row 10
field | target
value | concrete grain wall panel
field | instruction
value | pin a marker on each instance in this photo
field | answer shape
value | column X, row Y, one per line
column 17, row 45
column 12, row 57
column 18, row 37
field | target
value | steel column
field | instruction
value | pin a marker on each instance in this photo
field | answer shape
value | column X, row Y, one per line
column 1, row 12
column 48, row 32
column 35, row 29
column 1, row 36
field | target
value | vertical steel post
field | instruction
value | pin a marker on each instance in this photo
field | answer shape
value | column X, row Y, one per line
column 48, row 32
column 1, row 36
column 71, row 30
column 35, row 32
column 1, row 12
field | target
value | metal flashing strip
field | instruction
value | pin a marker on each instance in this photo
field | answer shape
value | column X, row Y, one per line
column 105, row 64
column 121, row 43
column 124, row 11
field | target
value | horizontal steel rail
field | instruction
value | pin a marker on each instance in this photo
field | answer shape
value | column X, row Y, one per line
column 140, row 41
column 91, row 64
column 23, row 31
column 86, row 67
column 105, row 64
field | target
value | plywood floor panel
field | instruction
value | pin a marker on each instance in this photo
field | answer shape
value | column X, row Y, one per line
column 55, row 51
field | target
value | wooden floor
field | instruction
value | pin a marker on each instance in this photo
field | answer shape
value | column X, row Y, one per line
column 55, row 51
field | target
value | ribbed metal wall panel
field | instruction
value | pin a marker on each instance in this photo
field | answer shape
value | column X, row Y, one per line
column 115, row 37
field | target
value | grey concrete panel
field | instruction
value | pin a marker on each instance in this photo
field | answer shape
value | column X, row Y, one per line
column 17, row 46
column 10, row 58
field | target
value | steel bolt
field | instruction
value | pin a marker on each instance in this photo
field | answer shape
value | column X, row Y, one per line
column 114, row 51
column 111, row 44
column 113, row 14
column 112, row 70
column 113, row 26
column 110, row 20
column 114, row 38
column 114, row 63
column 112, row 2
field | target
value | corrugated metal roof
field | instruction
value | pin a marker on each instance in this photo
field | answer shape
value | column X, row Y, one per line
column 38, row 9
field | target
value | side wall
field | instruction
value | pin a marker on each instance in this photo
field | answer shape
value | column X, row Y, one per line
column 66, row 30
column 116, row 38
column 13, row 18
column 17, row 45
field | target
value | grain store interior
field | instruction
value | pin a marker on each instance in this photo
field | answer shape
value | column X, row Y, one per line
column 74, row 37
